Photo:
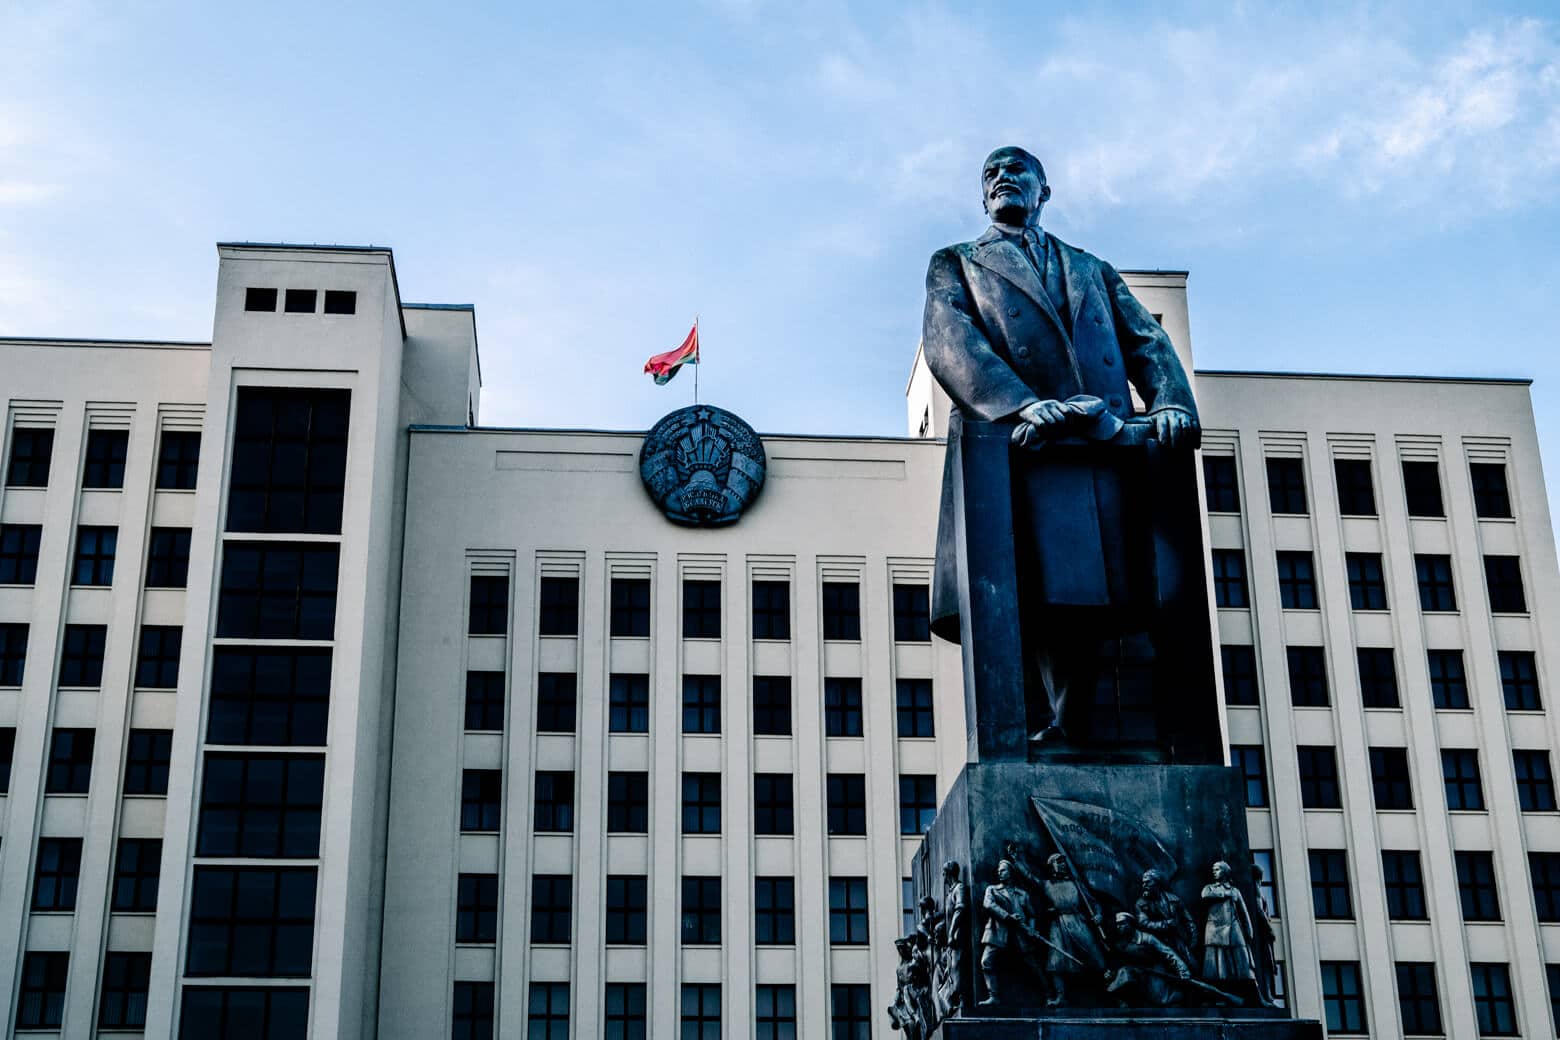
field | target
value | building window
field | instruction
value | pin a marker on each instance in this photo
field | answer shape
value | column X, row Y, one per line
column 70, row 762
column 104, row 467
column 775, row 1012
column 842, row 611
column 1492, row 1000
column 625, row 1007
column 1491, row 497
column 168, row 558
column 912, row 613
column 41, row 1004
column 628, row 708
column 554, row 801
column 630, row 607
column 81, row 656
column 552, row 909
column 1330, row 885
column 126, row 980
column 259, row 806
column 774, row 909
column 299, row 301
column 547, row 1011
column 57, row 874
column 289, row 465
column 842, row 707
column 1405, row 886
column 472, row 1017
column 772, row 705
column 771, row 610
column 257, row 299
column 31, row 449
column 340, row 301
column 555, row 700
column 1535, row 781
column 917, row 803
column 272, row 590
column 1436, row 589
column 700, row 1012
column 850, row 1011
column 908, row 911
column 772, row 803
column 848, row 911
column 269, row 696
column 701, row 704
column 1229, row 578
column 628, row 803
column 627, row 908
column 1222, row 483
column 1448, row 680
column 13, row 653
column 1503, row 577
column 7, row 755
column 484, row 701
column 1307, row 677
column 1318, row 777
column 480, row 799
column 1342, row 998
column 19, row 553
column 178, row 460
column 1389, row 778
column 251, row 921
column 701, row 609
column 847, row 804
column 489, row 605
column 1286, row 486
column 701, row 803
column 701, row 911
column 1296, row 581
column 157, row 661
column 476, row 908
column 1544, row 867
column 1552, row 978
column 913, row 705
column 136, row 870
column 560, row 607
column 1476, row 886
column 1519, row 680
column 272, row 1011
column 1240, row 674
column 146, row 761
column 1418, row 1002
column 1367, row 581
column 1460, row 769
column 1378, row 676
column 1422, row 488
column 1247, row 758
column 1356, row 490
column 95, row 549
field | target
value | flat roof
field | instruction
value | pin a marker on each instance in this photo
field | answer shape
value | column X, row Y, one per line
column 77, row 341
column 596, row 432
column 1363, row 376
column 322, row 248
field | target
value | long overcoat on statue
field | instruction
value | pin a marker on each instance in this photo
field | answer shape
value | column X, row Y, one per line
column 995, row 339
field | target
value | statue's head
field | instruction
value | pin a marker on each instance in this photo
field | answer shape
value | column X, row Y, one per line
column 905, row 947
column 1256, row 873
column 1125, row 923
column 1152, row 880
column 1221, row 871
column 1004, row 870
column 1057, row 863
column 951, row 870
column 927, row 904
column 1013, row 187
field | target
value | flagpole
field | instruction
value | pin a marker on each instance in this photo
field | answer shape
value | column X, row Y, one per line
column 697, row 361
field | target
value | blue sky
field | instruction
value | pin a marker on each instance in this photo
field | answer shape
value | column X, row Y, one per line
column 1354, row 188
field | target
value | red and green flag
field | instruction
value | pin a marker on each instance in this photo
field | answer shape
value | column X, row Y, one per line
column 664, row 366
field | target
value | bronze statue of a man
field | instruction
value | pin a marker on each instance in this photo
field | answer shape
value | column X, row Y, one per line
column 1022, row 328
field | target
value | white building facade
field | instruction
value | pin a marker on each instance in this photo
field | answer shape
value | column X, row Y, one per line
column 326, row 712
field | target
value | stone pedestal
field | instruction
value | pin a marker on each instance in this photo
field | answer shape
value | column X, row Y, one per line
column 1112, row 822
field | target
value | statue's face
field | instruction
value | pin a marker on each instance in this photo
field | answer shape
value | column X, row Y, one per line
column 1013, row 187
column 1150, row 882
column 1220, row 872
column 1003, row 872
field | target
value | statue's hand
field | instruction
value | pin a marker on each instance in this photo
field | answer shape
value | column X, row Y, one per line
column 1172, row 426
column 1044, row 413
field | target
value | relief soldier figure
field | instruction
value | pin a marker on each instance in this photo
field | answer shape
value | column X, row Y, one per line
column 1161, row 914
column 1072, row 936
column 1226, row 933
column 1022, row 328
column 1147, row 971
column 950, row 966
column 1005, row 944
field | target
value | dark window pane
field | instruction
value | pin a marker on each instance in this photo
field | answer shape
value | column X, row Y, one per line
column 1493, row 1003
column 256, row 299
column 1460, row 769
column 126, row 979
column 276, row 590
column 489, row 605
column 168, row 558
column 1378, row 677
column 774, row 908
column 771, row 610
column 1535, row 781
column 1223, row 485
column 251, row 921
column 471, row 1018
column 701, row 704
column 842, row 707
column 157, row 660
column 628, row 802
column 340, row 301
column 1476, row 886
column 847, row 803
column 1448, row 680
column 481, row 793
column 1330, row 898
column 627, row 909
column 19, row 553
column 848, row 911
column 774, row 1012
column 13, row 653
column 1503, row 576
column 917, row 803
column 95, row 550
column 1248, row 759
column 1318, row 777
column 628, row 709
column 772, row 705
column 701, row 905
column 40, row 1000
column 270, row 1013
column 104, row 465
column 289, row 462
column 1286, row 486
column 1422, row 488
column 300, row 301
column 1367, row 581
column 7, row 755
column 547, row 1011
column 554, row 801
column 485, row 701
column 31, row 450
column 773, row 804
column 1544, row 868
column 560, row 607
column 1491, row 497
column 552, row 909
column 626, row 1015
column 701, row 803
column 1342, row 999
column 136, row 869
column 701, row 609
column 1229, row 578
column 257, row 806
column 850, row 1011
column 1296, row 581
column 269, row 696
column 1437, row 592
column 1356, row 493
column 146, row 761
column 1405, row 886
column 81, row 655
column 178, row 460
column 841, row 610
column 1519, row 680
column 913, row 707
column 912, row 613
column 699, row 1015
column 555, row 702
column 70, row 762
column 1307, row 677
column 1417, row 999
column 57, row 874
column 630, row 607
column 1389, row 778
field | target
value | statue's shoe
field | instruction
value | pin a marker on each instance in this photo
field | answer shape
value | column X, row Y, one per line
column 1050, row 735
